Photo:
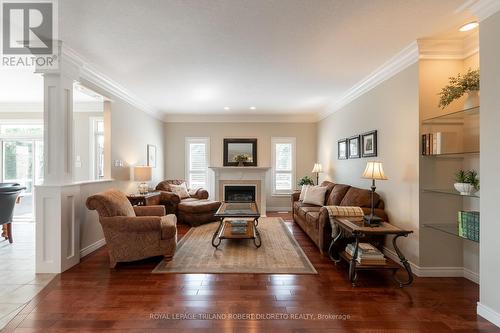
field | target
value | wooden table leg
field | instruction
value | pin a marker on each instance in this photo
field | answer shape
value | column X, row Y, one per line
column 9, row 232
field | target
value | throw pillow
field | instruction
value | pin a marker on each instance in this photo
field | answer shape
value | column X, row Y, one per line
column 303, row 192
column 315, row 195
column 181, row 190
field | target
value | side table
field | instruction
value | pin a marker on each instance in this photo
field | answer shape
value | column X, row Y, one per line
column 358, row 230
column 148, row 199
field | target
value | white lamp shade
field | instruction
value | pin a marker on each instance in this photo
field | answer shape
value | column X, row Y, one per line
column 374, row 170
column 142, row 173
column 317, row 168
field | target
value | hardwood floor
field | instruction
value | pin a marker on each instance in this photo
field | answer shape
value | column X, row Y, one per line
column 93, row 298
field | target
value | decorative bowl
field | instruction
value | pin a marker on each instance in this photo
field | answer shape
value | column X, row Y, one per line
column 465, row 189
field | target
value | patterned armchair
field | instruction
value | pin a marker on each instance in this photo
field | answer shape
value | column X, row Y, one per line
column 133, row 232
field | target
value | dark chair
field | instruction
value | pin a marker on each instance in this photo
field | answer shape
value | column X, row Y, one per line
column 8, row 196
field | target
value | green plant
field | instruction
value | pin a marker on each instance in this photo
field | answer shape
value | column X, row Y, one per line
column 458, row 86
column 241, row 158
column 468, row 177
column 306, row 180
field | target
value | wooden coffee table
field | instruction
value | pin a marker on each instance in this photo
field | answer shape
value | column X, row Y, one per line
column 358, row 230
column 246, row 213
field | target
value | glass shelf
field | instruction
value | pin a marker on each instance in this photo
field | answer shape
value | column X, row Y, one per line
column 450, row 192
column 454, row 155
column 454, row 117
column 450, row 229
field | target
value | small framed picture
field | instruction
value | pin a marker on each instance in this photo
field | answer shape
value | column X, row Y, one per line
column 353, row 145
column 152, row 156
column 369, row 144
column 342, row 149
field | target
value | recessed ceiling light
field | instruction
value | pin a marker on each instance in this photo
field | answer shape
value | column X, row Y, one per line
column 227, row 108
column 253, row 108
column 469, row 26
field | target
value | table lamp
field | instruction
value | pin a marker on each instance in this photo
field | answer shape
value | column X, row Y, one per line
column 317, row 169
column 373, row 171
column 142, row 174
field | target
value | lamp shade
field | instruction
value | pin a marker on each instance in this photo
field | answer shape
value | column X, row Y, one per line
column 317, row 168
column 142, row 173
column 374, row 170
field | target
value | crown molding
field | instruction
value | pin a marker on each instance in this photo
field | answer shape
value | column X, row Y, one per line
column 403, row 59
column 240, row 118
column 458, row 49
column 482, row 9
column 91, row 74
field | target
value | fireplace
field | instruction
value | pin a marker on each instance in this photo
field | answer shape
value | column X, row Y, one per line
column 241, row 193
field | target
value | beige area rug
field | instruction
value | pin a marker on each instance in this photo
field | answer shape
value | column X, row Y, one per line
column 279, row 254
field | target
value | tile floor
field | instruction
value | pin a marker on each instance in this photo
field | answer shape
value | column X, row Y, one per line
column 18, row 281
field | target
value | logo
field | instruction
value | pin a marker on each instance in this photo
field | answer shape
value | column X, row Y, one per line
column 28, row 33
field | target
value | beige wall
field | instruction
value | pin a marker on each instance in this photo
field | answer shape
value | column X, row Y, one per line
column 305, row 133
column 490, row 162
column 392, row 109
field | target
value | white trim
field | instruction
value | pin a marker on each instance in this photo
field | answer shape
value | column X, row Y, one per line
column 92, row 247
column 403, row 59
column 445, row 49
column 242, row 118
column 279, row 209
column 481, row 8
column 488, row 313
column 293, row 142
column 91, row 74
column 436, row 271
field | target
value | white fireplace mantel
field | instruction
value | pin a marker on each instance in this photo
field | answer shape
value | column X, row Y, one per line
column 242, row 176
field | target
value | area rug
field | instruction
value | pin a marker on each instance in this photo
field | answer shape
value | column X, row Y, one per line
column 279, row 254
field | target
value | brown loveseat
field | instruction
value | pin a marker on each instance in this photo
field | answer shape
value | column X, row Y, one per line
column 133, row 232
column 314, row 220
column 195, row 210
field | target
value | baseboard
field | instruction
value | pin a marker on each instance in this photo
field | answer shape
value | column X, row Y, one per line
column 279, row 209
column 92, row 247
column 488, row 313
column 436, row 271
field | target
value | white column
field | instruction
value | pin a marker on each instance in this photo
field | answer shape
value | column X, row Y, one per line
column 57, row 229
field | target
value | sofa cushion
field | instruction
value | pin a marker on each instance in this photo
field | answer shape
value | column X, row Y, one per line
column 359, row 197
column 198, row 206
column 329, row 186
column 337, row 194
column 302, row 211
column 181, row 190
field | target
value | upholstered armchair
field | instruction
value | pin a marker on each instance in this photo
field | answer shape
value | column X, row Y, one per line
column 133, row 232
column 194, row 210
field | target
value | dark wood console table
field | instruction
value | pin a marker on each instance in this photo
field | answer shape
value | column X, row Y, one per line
column 358, row 231
column 148, row 199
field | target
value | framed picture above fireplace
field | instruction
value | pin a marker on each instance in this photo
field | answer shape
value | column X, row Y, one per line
column 234, row 148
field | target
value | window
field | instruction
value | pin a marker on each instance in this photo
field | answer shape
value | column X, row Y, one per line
column 197, row 160
column 283, row 155
column 97, row 147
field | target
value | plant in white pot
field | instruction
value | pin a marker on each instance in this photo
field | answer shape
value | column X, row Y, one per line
column 459, row 86
column 467, row 182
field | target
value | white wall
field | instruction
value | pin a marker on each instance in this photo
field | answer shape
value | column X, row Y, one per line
column 489, row 306
column 305, row 133
column 392, row 109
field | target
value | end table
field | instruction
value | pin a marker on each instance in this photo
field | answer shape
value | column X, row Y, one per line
column 148, row 199
column 358, row 230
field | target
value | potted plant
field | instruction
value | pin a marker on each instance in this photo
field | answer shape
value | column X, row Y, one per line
column 460, row 85
column 241, row 159
column 467, row 182
column 306, row 180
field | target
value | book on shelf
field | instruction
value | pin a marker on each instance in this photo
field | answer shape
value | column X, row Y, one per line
column 239, row 223
column 367, row 254
column 468, row 225
column 438, row 143
column 238, row 230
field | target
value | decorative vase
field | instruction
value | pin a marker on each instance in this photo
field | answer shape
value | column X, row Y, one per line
column 472, row 99
column 464, row 188
column 241, row 163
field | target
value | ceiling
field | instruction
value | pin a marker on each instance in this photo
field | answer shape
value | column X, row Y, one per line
column 281, row 56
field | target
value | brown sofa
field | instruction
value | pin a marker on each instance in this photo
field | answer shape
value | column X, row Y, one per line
column 314, row 220
column 133, row 232
column 195, row 210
